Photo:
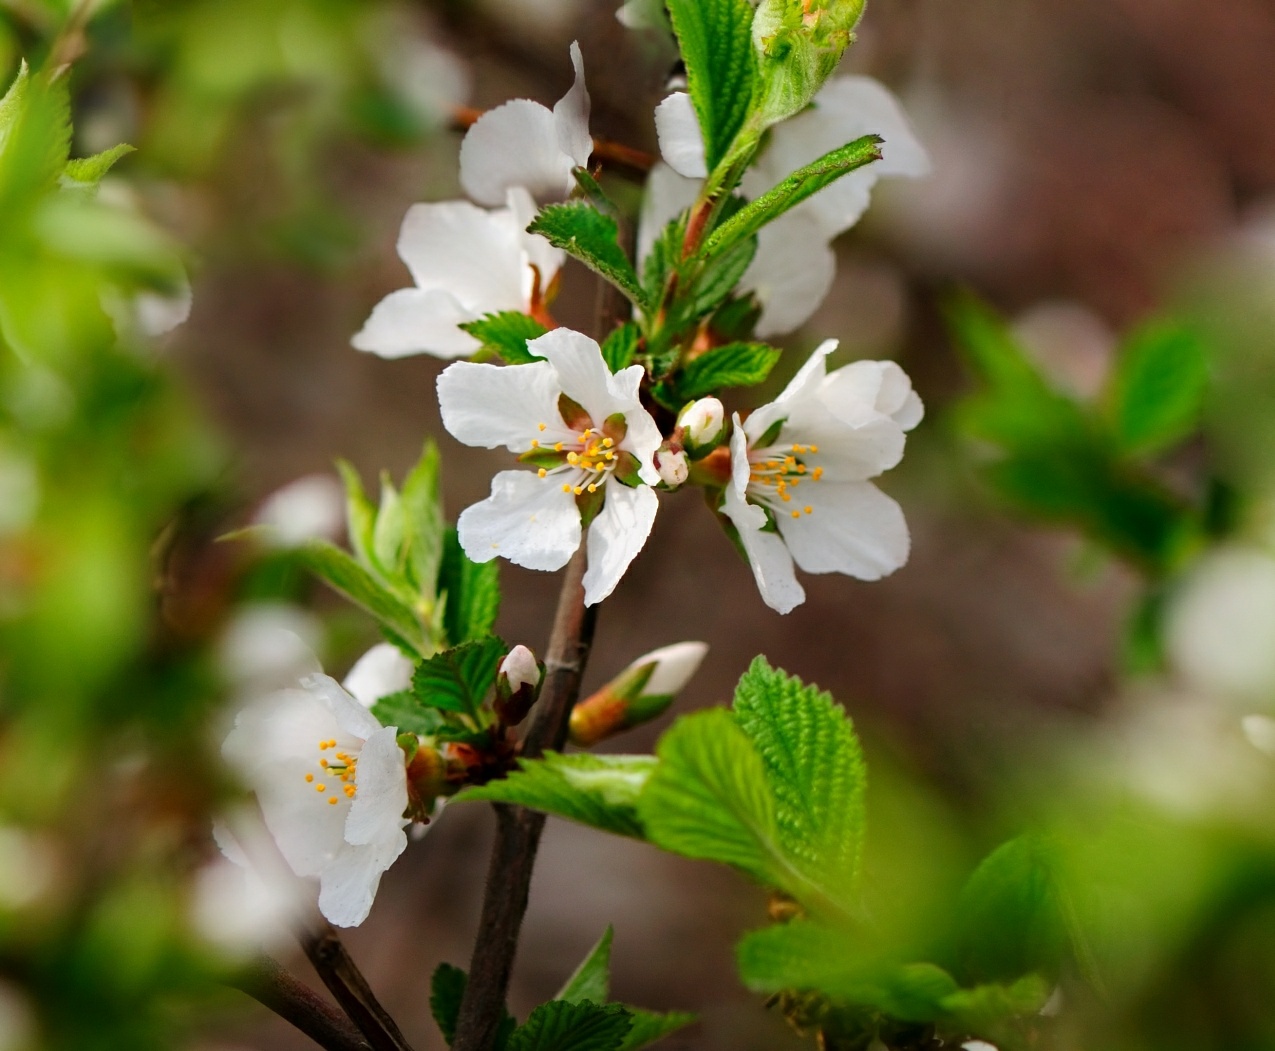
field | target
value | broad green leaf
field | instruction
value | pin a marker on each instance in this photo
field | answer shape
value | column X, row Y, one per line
column 506, row 333
column 90, row 170
column 620, row 346
column 721, row 276
column 597, row 790
column 582, row 231
column 389, row 534
column 708, row 798
column 1157, row 388
column 35, row 135
column 814, row 767
column 1010, row 915
column 732, row 365
column 799, row 44
column 650, row 1027
column 423, row 525
column 471, row 590
column 592, row 979
column 76, row 227
column 459, row 679
column 446, row 990
column 405, row 710
column 791, row 192
column 583, row 1026
column 715, row 39
column 985, row 1008
column 359, row 513
column 340, row 572
column 663, row 258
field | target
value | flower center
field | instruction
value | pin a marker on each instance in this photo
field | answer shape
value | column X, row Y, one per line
column 776, row 473
column 581, row 461
column 334, row 774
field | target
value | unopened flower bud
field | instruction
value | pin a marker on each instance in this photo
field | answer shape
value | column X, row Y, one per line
column 672, row 465
column 703, row 425
column 644, row 690
column 517, row 685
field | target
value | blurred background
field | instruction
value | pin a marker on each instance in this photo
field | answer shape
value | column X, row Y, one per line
column 1096, row 163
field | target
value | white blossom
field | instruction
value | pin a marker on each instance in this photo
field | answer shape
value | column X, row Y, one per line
column 703, row 420
column 673, row 465
column 671, row 668
column 312, row 506
column 332, row 785
column 381, row 671
column 589, row 436
column 800, row 466
column 520, row 669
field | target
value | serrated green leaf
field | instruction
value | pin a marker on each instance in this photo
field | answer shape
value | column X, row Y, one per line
column 985, row 1008
column 732, row 365
column 650, row 1027
column 715, row 39
column 423, row 525
column 561, row 1026
column 506, row 333
column 89, row 171
column 389, row 549
column 663, row 258
column 359, row 513
column 405, row 710
column 620, row 346
column 459, row 679
column 1157, row 389
column 14, row 99
column 593, row 192
column 446, row 990
column 592, row 979
column 340, row 572
column 722, row 275
column 814, row 767
column 791, row 191
column 597, row 790
column 587, row 234
column 471, row 591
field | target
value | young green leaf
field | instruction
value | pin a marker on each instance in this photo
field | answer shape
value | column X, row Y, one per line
column 732, row 365
column 423, row 525
column 446, row 990
column 582, row 231
column 597, row 790
column 506, row 333
column 791, row 192
column 457, row 680
column 359, row 513
column 814, row 767
column 663, row 258
column 389, row 548
column 405, row 710
column 88, row 171
column 471, row 591
column 715, row 39
column 1157, row 388
column 721, row 275
column 620, row 346
column 649, row 1027
column 340, row 572
column 583, row 1026
column 592, row 979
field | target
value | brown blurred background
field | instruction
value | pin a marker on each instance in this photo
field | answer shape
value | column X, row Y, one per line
column 1085, row 152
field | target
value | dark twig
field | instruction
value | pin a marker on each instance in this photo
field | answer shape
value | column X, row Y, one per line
column 293, row 1000
column 346, row 982
column 518, row 829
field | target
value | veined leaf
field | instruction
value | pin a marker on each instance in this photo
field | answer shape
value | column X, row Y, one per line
column 592, row 979
column 471, row 590
column 562, row 1026
column 620, row 346
column 340, row 572
column 1157, row 388
column 423, row 525
column 446, row 990
column 732, row 365
column 88, row 171
column 458, row 680
column 651, row 1026
column 597, row 790
column 506, row 333
column 405, row 710
column 582, row 231
column 359, row 512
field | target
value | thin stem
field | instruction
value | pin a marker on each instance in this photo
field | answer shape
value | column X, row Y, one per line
column 346, row 982
column 518, row 830
column 294, row 1001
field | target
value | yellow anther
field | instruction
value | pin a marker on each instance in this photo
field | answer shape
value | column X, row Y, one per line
column 566, row 488
column 608, row 442
column 790, row 462
column 320, row 787
column 309, row 777
column 608, row 455
column 584, row 434
column 557, row 447
column 593, row 488
column 350, row 790
column 809, row 510
column 542, row 426
column 542, row 472
column 578, row 490
column 573, row 458
column 785, row 497
column 332, row 801
column 817, row 473
column 814, row 448
column 801, row 468
column 535, row 443
column 796, row 514
column 323, row 763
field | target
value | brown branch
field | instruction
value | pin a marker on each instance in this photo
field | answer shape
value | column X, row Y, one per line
column 346, row 982
column 632, row 162
column 294, row 1001
column 518, row 829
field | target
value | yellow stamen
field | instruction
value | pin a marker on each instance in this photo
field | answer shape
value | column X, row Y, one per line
column 817, row 473
column 557, row 447
column 542, row 472
column 809, row 510
column 796, row 514
column 578, row 490
column 320, row 788
column 309, row 777
column 332, row 801
column 593, row 488
column 566, row 488
column 608, row 442
column 535, row 443
column 542, row 426
column 350, row 790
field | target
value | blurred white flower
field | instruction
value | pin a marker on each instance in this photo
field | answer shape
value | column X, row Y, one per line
column 268, row 645
column 17, row 1019
column 239, row 904
column 603, row 450
column 312, row 507
column 1071, row 344
column 381, row 671
column 429, row 79
column 30, row 868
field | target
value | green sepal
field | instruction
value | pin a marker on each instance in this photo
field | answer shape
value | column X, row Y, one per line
column 593, row 192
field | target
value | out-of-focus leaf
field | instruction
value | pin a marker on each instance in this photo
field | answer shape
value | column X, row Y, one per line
column 1157, row 388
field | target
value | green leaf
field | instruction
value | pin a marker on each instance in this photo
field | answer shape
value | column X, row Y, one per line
column 592, row 979
column 446, row 990
column 471, row 590
column 663, row 258
column 597, row 790
column 459, row 679
column 582, row 231
column 423, row 525
column 340, row 572
column 1011, row 920
column 405, row 711
column 791, row 192
column 722, row 275
column 620, row 346
column 593, row 192
column 1157, row 388
column 561, row 1026
column 650, row 1027
column 708, row 797
column 90, row 170
column 715, row 39
column 389, row 534
column 359, row 513
column 732, row 365
column 506, row 333
column 984, row 1008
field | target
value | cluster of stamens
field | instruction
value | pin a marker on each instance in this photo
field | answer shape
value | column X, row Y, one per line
column 783, row 470
column 340, row 769
column 594, row 454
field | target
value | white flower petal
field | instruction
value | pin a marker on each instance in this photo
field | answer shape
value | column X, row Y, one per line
column 791, row 273
column 493, row 405
column 376, row 813
column 571, row 113
column 681, row 142
column 411, row 321
column 770, row 561
column 526, row 519
column 674, row 666
column 348, row 885
column 667, row 196
column 854, row 528
column 514, row 145
column 536, row 250
column 864, row 106
column 616, row 536
column 865, row 388
column 803, row 387
column 846, row 454
column 382, row 670
column 470, row 252
column 350, row 715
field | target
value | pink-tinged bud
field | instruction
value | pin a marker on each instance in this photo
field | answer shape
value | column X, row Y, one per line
column 517, row 685
column 703, row 425
column 672, row 465
column 644, row 690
